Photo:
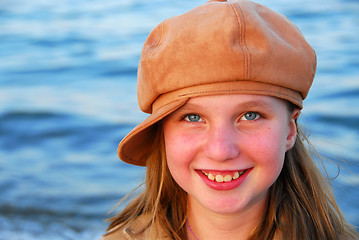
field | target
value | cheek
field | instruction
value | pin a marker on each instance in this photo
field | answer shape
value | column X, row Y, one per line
column 268, row 156
column 177, row 148
column 179, row 153
column 178, row 166
column 180, row 143
column 269, row 150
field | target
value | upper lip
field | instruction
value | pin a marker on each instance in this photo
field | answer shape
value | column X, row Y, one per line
column 221, row 171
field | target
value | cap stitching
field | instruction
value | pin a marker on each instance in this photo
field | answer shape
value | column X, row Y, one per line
column 242, row 43
column 235, row 90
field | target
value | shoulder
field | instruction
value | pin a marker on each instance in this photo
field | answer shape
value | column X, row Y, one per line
column 117, row 234
column 136, row 230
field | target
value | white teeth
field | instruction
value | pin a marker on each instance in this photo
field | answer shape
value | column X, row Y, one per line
column 219, row 178
column 228, row 178
column 210, row 177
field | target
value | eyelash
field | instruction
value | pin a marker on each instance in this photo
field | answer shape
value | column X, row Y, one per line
column 256, row 117
column 186, row 117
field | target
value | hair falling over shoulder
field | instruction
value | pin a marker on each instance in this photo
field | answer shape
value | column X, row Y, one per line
column 301, row 204
column 163, row 200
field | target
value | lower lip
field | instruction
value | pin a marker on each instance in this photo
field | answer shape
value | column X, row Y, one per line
column 224, row 185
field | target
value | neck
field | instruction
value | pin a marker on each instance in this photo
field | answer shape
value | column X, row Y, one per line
column 205, row 224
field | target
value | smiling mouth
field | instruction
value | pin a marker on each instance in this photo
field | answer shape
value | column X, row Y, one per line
column 223, row 178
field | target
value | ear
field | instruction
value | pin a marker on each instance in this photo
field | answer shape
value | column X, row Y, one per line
column 292, row 129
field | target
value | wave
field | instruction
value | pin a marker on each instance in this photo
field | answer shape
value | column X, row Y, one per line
column 346, row 121
column 348, row 93
column 37, row 222
column 18, row 129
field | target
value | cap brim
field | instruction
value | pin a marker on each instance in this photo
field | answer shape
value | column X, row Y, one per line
column 134, row 147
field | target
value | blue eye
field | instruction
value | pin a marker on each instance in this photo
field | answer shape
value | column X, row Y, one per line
column 250, row 116
column 193, row 118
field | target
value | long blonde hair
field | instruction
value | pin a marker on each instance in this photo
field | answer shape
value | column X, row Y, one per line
column 300, row 204
column 162, row 198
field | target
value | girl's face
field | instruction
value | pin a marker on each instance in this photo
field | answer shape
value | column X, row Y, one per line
column 226, row 151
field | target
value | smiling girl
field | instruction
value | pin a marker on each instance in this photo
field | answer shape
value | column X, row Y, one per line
column 224, row 85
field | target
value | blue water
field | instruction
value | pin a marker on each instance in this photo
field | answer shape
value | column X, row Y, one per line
column 68, row 96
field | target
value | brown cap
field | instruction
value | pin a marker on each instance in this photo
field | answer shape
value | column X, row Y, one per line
column 221, row 47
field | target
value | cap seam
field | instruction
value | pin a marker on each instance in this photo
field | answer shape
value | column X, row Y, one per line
column 241, row 23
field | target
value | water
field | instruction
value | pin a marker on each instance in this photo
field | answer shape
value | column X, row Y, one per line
column 68, row 96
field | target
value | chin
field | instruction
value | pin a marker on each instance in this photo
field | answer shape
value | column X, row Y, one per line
column 226, row 205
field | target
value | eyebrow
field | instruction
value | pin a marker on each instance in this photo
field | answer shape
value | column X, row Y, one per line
column 255, row 104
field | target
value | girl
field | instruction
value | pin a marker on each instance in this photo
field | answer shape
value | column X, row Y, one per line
column 224, row 84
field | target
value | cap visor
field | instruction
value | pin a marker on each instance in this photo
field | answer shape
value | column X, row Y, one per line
column 134, row 147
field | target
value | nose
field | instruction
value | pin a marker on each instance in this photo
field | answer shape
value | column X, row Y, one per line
column 222, row 142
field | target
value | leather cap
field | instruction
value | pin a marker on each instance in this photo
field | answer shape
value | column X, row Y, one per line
column 220, row 47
